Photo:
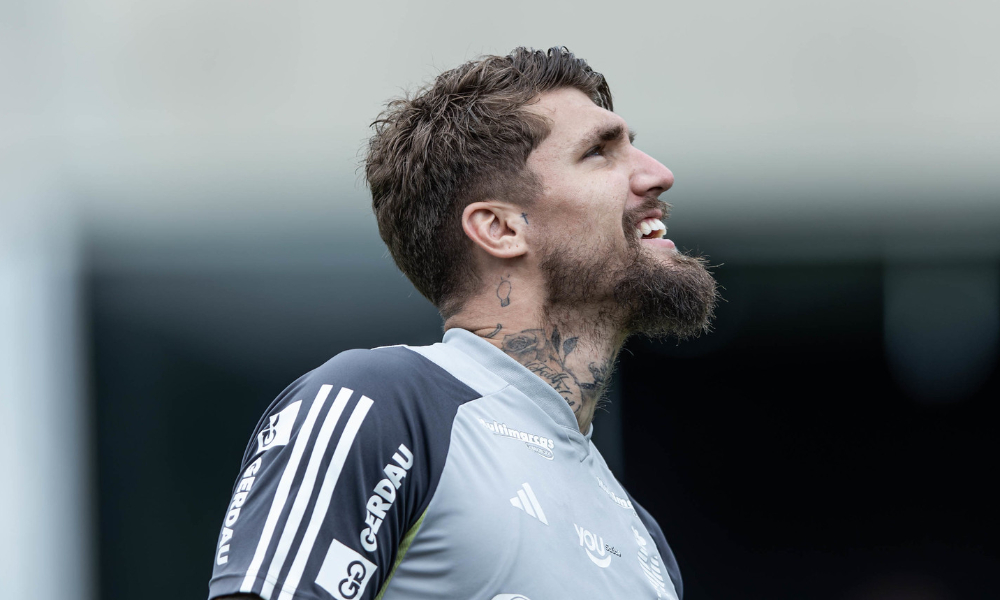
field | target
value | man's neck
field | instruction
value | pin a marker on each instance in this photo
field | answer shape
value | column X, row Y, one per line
column 576, row 361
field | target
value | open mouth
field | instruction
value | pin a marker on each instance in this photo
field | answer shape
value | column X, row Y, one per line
column 650, row 229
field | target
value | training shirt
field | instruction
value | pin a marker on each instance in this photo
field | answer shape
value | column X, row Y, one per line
column 443, row 471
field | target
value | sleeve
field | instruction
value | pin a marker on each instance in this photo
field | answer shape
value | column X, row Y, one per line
column 666, row 555
column 337, row 477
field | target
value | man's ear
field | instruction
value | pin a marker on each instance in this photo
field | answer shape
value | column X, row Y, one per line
column 494, row 227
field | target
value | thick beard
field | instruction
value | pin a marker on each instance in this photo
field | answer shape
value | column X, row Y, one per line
column 675, row 300
column 635, row 293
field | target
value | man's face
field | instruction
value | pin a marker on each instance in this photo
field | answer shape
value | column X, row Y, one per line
column 598, row 224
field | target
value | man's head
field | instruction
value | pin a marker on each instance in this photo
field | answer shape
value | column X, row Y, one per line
column 600, row 231
column 532, row 130
column 464, row 138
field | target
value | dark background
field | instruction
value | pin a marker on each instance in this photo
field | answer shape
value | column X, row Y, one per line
column 779, row 453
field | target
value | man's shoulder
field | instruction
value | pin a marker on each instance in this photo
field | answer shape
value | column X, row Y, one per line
column 367, row 362
column 362, row 440
column 399, row 389
column 391, row 391
column 390, row 375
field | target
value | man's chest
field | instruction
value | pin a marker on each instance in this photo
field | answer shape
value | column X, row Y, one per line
column 521, row 509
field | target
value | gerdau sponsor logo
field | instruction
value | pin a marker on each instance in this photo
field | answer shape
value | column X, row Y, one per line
column 235, row 505
column 384, row 495
column 539, row 444
column 597, row 551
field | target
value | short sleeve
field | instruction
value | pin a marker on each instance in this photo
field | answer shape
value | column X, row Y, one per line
column 339, row 470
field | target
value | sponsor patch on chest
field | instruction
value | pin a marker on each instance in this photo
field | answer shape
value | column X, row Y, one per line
column 652, row 567
column 620, row 501
column 598, row 551
column 538, row 444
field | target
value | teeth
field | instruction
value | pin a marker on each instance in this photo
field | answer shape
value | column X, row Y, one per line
column 650, row 226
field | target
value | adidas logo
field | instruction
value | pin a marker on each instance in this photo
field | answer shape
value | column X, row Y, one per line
column 525, row 500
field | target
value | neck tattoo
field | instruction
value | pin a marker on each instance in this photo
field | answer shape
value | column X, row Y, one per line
column 545, row 354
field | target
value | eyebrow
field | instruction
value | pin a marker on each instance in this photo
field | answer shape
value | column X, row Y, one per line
column 605, row 133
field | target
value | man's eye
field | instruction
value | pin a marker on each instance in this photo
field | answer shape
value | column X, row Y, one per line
column 595, row 151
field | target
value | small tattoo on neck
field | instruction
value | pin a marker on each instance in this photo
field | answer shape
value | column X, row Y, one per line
column 525, row 217
column 495, row 331
column 503, row 291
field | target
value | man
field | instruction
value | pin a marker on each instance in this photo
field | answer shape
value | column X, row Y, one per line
column 512, row 197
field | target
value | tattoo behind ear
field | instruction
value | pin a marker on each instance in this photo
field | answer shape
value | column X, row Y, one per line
column 503, row 291
column 525, row 217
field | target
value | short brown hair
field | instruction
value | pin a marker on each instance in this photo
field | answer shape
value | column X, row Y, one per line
column 462, row 139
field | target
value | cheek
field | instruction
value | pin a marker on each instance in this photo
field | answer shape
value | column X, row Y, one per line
column 582, row 213
column 609, row 238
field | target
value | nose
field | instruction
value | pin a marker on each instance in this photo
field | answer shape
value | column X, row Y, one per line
column 650, row 178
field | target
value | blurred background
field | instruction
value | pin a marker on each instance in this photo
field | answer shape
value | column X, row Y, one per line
column 184, row 230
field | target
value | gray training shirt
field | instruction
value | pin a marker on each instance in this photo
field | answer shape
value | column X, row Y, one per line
column 444, row 471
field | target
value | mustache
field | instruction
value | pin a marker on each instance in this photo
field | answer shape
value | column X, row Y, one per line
column 633, row 215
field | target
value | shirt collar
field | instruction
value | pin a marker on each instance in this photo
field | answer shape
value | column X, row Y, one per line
column 514, row 373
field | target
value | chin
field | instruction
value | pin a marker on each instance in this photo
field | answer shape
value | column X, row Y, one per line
column 654, row 289
column 673, row 302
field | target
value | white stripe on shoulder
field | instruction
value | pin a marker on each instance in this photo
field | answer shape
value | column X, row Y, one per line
column 340, row 453
column 462, row 367
column 285, row 485
column 304, row 492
